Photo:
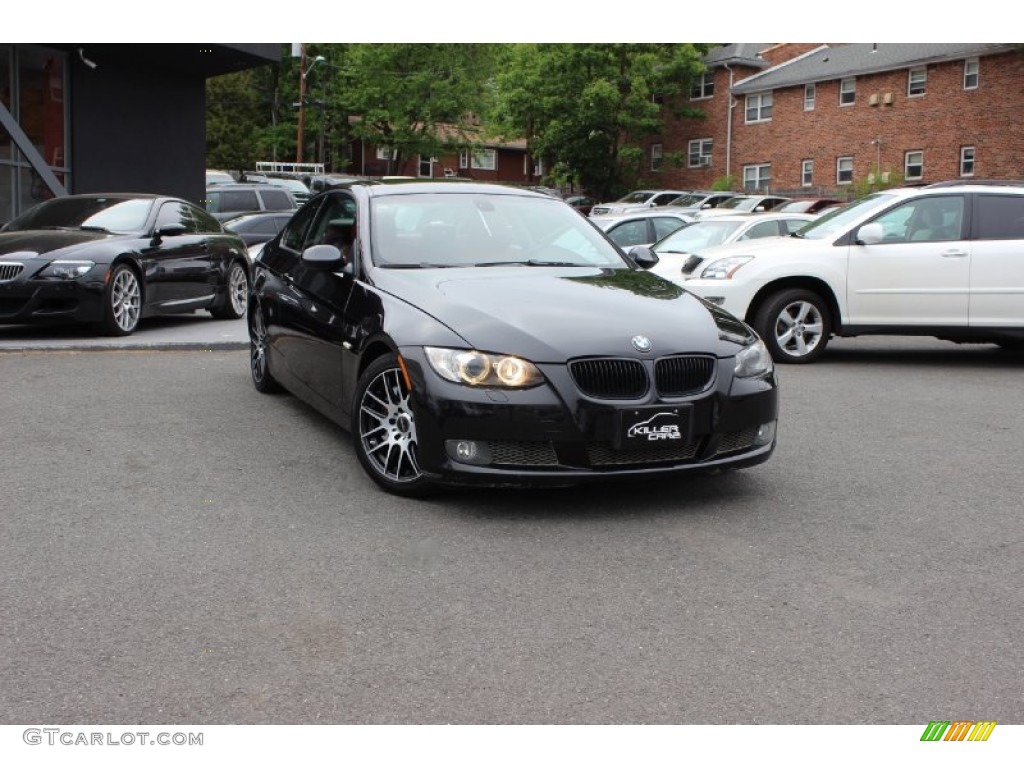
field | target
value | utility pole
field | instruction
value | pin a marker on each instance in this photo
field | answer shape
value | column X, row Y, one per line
column 302, row 104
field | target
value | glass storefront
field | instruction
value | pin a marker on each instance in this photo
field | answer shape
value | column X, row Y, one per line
column 33, row 86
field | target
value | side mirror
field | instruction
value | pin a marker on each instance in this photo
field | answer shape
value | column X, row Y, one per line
column 644, row 257
column 171, row 230
column 323, row 256
column 870, row 234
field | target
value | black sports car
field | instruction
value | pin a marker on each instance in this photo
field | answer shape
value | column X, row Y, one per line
column 114, row 259
column 484, row 334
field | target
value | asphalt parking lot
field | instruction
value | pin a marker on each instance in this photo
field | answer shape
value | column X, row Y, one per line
column 177, row 548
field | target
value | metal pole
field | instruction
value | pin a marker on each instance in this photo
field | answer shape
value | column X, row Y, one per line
column 302, row 104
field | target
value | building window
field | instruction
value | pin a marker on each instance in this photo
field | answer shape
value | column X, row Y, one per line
column 807, row 173
column 966, row 161
column 383, row 153
column 463, row 158
column 485, row 160
column 844, row 170
column 656, row 157
column 32, row 89
column 847, row 91
column 970, row 74
column 699, row 153
column 913, row 166
column 426, row 166
column 809, row 93
column 759, row 107
column 704, row 88
column 917, row 81
column 757, row 177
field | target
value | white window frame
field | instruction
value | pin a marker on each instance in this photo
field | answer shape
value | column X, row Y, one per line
column 484, row 160
column 810, row 93
column 760, row 174
column 972, row 72
column 705, row 89
column 917, row 82
column 420, row 162
column 463, row 158
column 657, row 156
column 967, row 158
column 806, row 173
column 383, row 153
column 844, row 166
column 847, row 88
column 698, row 151
column 761, row 104
column 913, row 159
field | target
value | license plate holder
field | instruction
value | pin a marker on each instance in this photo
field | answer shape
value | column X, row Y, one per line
column 654, row 426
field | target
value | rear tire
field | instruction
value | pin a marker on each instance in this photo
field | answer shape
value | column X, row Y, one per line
column 237, row 294
column 795, row 324
column 259, row 365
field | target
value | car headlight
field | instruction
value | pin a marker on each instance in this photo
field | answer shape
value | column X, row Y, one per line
column 753, row 360
column 479, row 369
column 723, row 269
column 66, row 270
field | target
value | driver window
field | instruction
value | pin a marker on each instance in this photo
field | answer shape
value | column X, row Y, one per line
column 924, row 220
column 335, row 225
column 174, row 213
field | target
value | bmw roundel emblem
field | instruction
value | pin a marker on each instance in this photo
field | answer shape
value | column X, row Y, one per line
column 641, row 344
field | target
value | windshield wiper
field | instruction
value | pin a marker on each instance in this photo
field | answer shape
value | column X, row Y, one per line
column 530, row 263
column 90, row 228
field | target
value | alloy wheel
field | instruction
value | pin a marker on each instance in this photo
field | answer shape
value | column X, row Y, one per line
column 387, row 427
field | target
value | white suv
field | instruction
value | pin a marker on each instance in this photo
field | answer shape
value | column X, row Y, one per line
column 945, row 260
column 637, row 200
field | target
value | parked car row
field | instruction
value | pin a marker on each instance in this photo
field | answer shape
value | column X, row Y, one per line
column 941, row 260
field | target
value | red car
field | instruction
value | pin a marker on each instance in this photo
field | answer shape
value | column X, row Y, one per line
column 581, row 203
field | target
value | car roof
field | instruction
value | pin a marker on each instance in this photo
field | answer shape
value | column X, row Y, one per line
column 765, row 216
column 438, row 187
column 242, row 185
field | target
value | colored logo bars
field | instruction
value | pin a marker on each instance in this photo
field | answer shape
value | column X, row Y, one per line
column 958, row 730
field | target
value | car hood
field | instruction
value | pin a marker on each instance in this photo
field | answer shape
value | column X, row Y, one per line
column 553, row 313
column 46, row 242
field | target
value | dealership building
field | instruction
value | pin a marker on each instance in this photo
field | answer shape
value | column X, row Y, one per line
column 87, row 117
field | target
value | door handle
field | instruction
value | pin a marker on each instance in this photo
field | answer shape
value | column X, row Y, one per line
column 954, row 254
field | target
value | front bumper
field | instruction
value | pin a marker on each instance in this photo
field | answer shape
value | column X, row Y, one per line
column 552, row 434
column 43, row 301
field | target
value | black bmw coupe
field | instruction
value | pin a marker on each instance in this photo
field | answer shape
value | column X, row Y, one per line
column 115, row 259
column 479, row 334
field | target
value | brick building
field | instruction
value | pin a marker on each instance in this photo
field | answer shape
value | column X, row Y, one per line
column 823, row 118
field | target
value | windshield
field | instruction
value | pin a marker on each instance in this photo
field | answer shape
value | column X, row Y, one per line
column 836, row 222
column 698, row 235
column 741, row 203
column 636, row 197
column 473, row 229
column 689, row 201
column 112, row 214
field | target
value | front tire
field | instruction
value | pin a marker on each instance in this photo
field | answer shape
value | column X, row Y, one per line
column 122, row 301
column 384, row 429
column 795, row 324
column 237, row 298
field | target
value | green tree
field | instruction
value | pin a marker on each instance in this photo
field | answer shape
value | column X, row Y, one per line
column 586, row 108
column 421, row 98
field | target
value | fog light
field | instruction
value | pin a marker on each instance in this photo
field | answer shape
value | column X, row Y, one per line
column 468, row 451
column 765, row 433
